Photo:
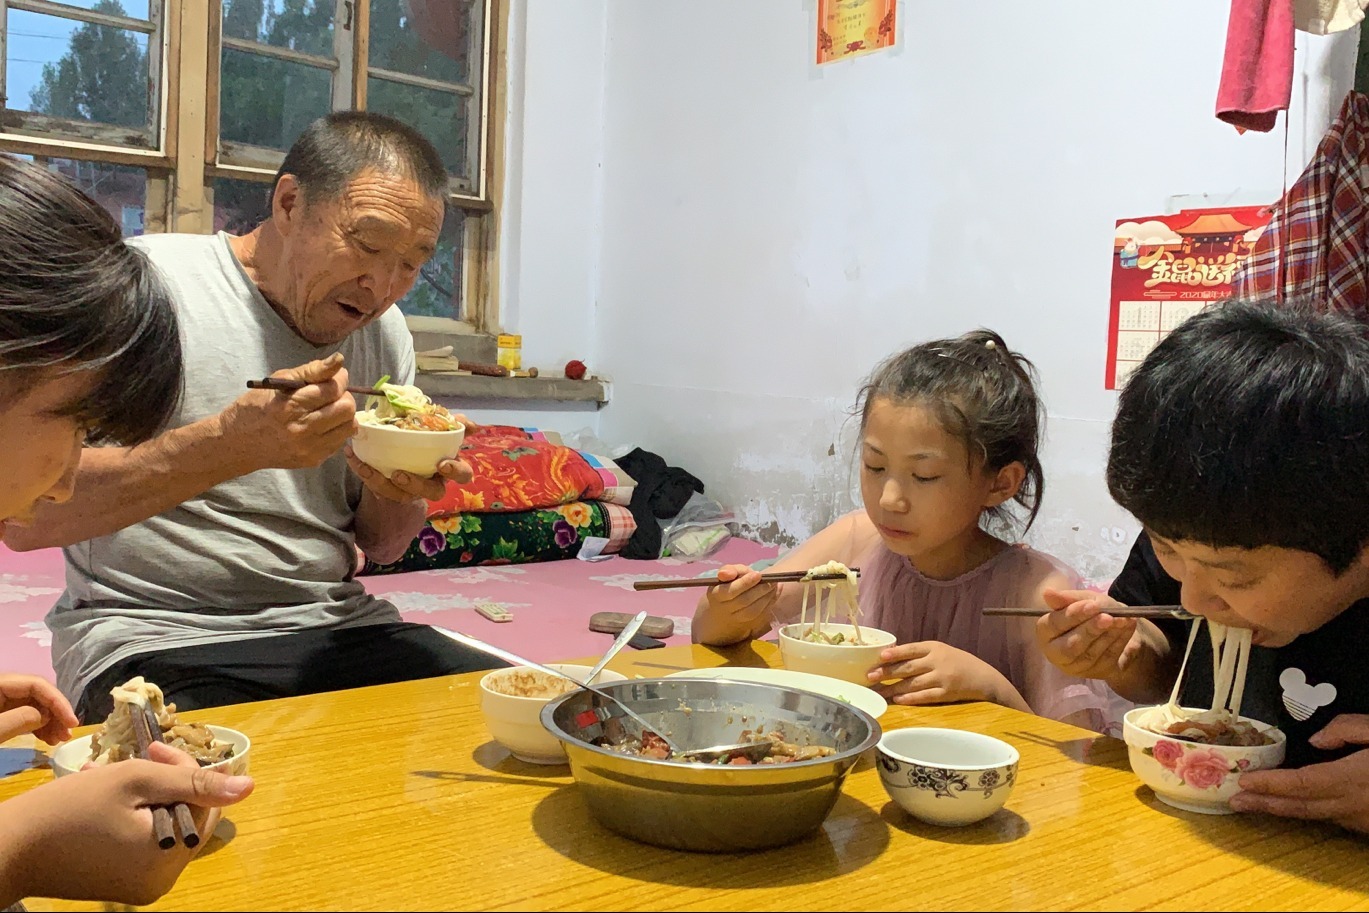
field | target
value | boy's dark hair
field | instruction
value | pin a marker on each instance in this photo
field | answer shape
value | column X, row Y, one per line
column 337, row 147
column 75, row 297
column 982, row 393
column 1248, row 426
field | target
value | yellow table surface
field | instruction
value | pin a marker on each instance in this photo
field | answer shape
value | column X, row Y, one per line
column 395, row 797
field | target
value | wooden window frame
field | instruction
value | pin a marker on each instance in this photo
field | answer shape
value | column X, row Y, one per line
column 479, row 202
column 185, row 155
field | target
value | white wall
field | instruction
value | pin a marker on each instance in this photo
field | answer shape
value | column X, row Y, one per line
column 736, row 236
column 550, row 218
column 762, row 231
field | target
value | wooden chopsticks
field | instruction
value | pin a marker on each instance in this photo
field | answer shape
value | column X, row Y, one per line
column 280, row 383
column 1131, row 611
column 147, row 730
column 775, row 577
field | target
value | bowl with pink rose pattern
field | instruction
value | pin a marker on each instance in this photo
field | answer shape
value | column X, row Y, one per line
column 1191, row 775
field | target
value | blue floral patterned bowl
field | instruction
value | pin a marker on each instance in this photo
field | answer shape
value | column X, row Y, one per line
column 949, row 777
column 1190, row 775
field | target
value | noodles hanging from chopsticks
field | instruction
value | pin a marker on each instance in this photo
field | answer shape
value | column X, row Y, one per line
column 841, row 595
column 1222, row 724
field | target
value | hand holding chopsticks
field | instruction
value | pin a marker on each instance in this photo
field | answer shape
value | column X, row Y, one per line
column 774, row 577
column 147, row 730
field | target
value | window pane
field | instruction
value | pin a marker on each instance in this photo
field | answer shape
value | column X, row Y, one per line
column 120, row 189
column 268, row 102
column 240, row 206
column 440, row 116
column 134, row 9
column 76, row 70
column 302, row 25
column 432, row 38
column 437, row 293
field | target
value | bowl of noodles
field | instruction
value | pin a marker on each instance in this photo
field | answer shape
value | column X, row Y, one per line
column 1197, row 768
column 214, row 747
column 818, row 644
column 402, row 430
column 1192, row 757
column 841, row 651
column 634, row 787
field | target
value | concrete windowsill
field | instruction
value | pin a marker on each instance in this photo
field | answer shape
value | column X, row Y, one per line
column 522, row 389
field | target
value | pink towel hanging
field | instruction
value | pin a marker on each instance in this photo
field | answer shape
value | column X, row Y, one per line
column 1257, row 71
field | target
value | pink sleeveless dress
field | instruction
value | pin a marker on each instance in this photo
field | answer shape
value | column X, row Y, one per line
column 895, row 597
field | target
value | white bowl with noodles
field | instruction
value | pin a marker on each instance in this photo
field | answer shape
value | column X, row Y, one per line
column 389, row 450
column 1195, row 776
column 512, row 699
column 71, row 756
column 846, row 661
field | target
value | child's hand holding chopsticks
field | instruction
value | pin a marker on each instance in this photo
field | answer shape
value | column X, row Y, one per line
column 90, row 835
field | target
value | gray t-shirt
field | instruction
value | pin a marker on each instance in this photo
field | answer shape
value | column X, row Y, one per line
column 267, row 553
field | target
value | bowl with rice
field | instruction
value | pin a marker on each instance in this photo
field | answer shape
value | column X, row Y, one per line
column 512, row 699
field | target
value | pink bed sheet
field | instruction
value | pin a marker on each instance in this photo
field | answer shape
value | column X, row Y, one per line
column 551, row 601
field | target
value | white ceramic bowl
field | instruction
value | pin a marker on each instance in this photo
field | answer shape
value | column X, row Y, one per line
column 70, row 757
column 1190, row 775
column 516, row 722
column 949, row 777
column 846, row 662
column 390, row 450
column 864, row 698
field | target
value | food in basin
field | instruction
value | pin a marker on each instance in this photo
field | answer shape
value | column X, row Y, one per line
column 711, row 807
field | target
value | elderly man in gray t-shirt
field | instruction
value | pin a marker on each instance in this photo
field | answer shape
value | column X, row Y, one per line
column 217, row 560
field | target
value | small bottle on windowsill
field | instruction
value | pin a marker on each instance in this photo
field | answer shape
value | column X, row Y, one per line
column 511, row 351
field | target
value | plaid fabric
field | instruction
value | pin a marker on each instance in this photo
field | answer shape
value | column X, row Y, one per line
column 621, row 526
column 1315, row 245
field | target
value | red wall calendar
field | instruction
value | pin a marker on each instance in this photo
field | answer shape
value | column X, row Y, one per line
column 1165, row 269
column 848, row 28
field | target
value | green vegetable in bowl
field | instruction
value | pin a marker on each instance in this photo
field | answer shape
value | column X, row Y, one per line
column 405, row 407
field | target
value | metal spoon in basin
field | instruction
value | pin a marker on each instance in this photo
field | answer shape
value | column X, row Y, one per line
column 621, row 641
column 752, row 751
column 517, row 660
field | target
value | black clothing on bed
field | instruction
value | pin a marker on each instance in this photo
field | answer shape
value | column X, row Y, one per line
column 661, row 492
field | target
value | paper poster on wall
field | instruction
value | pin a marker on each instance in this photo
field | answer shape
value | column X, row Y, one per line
column 849, row 28
column 1165, row 269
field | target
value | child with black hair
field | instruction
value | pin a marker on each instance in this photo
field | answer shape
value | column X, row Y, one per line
column 1241, row 443
column 89, row 351
column 950, row 431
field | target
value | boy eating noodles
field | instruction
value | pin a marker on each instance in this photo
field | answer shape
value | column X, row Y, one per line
column 1241, row 443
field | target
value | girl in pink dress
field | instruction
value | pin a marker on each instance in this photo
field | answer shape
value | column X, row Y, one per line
column 949, row 438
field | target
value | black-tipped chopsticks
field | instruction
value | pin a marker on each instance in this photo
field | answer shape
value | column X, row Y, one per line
column 1131, row 611
column 283, row 385
column 775, row 577
column 147, row 730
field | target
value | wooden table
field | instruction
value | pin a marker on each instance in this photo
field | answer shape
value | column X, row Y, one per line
column 395, row 798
